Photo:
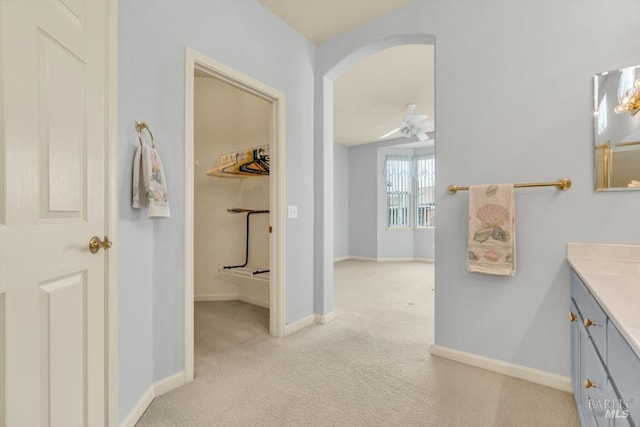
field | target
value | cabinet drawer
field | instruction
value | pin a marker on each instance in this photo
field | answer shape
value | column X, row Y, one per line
column 624, row 367
column 590, row 311
column 600, row 405
column 592, row 398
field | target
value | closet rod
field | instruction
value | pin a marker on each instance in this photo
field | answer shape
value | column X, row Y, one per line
column 249, row 212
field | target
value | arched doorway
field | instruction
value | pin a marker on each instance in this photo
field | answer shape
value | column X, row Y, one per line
column 328, row 71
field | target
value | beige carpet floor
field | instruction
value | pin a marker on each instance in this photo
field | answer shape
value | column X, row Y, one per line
column 371, row 366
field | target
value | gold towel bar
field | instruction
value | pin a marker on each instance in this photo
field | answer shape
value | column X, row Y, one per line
column 626, row 144
column 561, row 184
column 139, row 127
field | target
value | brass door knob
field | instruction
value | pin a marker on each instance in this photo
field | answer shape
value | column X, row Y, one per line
column 95, row 244
column 589, row 384
column 588, row 322
column 572, row 317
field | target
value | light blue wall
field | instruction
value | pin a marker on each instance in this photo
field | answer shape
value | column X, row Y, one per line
column 135, row 290
column 152, row 40
column 514, row 97
column 363, row 202
column 341, row 201
column 424, row 243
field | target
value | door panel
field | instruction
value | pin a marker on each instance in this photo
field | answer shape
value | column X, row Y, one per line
column 52, row 289
column 63, row 135
column 23, row 364
column 64, row 349
column 75, row 10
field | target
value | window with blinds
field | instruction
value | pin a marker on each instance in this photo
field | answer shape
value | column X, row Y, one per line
column 410, row 191
column 425, row 191
column 398, row 171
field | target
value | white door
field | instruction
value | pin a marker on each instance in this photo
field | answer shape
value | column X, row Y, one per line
column 52, row 201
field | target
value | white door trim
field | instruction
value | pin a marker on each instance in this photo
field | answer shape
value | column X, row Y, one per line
column 111, row 258
column 197, row 61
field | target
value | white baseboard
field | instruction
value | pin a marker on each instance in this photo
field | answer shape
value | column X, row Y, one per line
column 324, row 318
column 398, row 259
column 299, row 324
column 139, row 408
column 160, row 387
column 361, row 258
column 231, row 297
column 537, row 376
column 308, row 321
column 169, row 383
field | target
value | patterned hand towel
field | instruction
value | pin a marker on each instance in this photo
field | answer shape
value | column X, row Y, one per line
column 139, row 202
column 491, row 242
column 149, row 183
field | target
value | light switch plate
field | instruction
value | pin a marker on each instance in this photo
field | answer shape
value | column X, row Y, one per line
column 293, row 211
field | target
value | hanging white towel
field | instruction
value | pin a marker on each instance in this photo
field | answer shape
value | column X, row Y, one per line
column 149, row 183
column 491, row 240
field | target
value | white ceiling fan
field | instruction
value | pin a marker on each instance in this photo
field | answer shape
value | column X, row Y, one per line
column 413, row 125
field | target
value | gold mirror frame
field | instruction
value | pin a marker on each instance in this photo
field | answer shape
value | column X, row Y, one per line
column 616, row 130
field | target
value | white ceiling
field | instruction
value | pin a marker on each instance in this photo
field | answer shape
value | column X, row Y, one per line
column 320, row 20
column 369, row 99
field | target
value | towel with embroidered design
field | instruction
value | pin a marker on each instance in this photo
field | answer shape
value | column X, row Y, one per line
column 491, row 239
column 149, row 183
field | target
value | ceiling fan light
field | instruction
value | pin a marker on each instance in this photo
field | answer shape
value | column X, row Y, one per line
column 406, row 132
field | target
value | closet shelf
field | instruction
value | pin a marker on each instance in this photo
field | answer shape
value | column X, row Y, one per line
column 260, row 274
column 253, row 161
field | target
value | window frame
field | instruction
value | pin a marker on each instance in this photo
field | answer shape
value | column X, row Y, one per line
column 400, row 171
column 407, row 181
column 428, row 183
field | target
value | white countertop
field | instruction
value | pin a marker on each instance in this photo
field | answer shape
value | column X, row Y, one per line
column 612, row 274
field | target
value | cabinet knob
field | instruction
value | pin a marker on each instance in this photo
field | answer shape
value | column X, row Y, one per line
column 589, row 384
column 572, row 317
column 588, row 322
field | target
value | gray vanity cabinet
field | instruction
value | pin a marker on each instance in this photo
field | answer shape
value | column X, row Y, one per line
column 605, row 372
column 575, row 349
column 624, row 366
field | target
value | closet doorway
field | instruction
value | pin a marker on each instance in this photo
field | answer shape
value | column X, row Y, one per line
column 234, row 195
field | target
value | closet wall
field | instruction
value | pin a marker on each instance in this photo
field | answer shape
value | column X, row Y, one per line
column 227, row 119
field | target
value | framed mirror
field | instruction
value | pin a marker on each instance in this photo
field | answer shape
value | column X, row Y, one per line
column 617, row 129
